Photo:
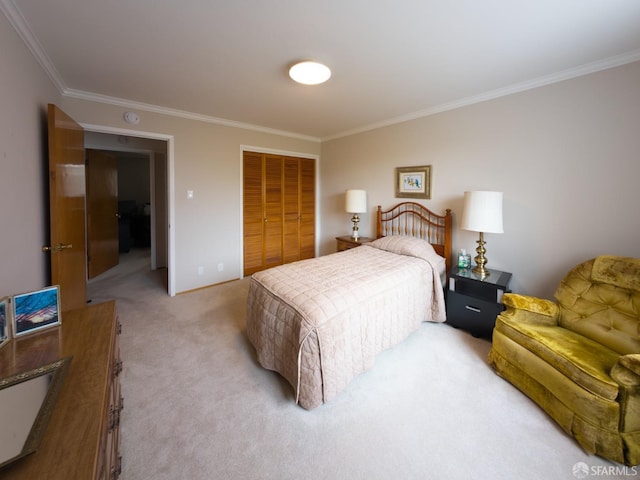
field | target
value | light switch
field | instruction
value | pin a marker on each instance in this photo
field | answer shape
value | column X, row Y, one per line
column 190, row 194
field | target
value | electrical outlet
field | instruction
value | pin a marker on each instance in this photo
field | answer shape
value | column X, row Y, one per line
column 200, row 270
column 220, row 267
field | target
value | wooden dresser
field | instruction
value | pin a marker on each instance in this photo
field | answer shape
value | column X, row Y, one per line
column 82, row 438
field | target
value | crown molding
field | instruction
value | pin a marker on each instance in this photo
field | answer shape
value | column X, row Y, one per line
column 94, row 97
column 563, row 75
column 21, row 26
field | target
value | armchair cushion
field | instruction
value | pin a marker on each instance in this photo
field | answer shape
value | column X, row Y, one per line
column 623, row 272
column 584, row 361
column 604, row 312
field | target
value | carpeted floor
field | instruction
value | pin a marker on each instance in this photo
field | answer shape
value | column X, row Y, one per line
column 198, row 406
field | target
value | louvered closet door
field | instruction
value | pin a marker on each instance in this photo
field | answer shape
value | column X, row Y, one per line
column 253, row 212
column 272, row 210
column 307, row 208
column 291, row 197
column 278, row 210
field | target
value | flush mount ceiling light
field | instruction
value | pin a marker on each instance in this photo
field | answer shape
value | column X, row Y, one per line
column 310, row 73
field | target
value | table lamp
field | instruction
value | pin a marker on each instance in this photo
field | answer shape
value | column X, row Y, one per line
column 482, row 213
column 355, row 203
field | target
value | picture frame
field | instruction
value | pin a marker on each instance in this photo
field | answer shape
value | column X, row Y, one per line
column 38, row 389
column 36, row 311
column 413, row 182
column 5, row 322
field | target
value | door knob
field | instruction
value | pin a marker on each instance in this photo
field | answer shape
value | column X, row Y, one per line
column 57, row 248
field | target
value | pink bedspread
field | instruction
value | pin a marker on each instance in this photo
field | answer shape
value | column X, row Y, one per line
column 321, row 322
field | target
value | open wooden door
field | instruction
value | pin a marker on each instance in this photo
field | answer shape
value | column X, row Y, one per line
column 102, row 212
column 67, row 193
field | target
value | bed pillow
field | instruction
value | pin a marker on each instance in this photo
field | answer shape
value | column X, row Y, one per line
column 413, row 247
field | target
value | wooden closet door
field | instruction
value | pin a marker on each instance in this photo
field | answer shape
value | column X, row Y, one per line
column 272, row 210
column 307, row 208
column 278, row 210
column 291, row 206
column 253, row 212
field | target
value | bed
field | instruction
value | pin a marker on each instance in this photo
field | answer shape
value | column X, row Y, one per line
column 320, row 322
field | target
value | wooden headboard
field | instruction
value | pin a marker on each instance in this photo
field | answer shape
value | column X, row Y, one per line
column 414, row 220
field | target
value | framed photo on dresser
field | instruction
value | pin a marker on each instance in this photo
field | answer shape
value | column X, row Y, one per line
column 5, row 323
column 35, row 311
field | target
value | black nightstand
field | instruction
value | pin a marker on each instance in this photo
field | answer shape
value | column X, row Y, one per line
column 474, row 302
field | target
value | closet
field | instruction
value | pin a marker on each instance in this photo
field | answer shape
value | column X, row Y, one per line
column 278, row 210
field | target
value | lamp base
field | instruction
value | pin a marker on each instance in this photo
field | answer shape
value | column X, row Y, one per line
column 483, row 272
column 480, row 259
column 355, row 219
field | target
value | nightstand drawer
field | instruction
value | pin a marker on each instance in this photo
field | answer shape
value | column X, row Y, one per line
column 474, row 315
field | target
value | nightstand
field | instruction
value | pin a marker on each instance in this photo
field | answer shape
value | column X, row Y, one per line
column 345, row 243
column 474, row 302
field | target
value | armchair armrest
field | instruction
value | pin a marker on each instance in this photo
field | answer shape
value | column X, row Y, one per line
column 528, row 309
column 626, row 371
column 540, row 306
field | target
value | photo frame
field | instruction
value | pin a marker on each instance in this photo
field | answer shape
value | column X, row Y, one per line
column 5, row 322
column 35, row 311
column 413, row 182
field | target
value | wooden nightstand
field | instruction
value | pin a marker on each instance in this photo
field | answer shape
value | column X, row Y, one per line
column 474, row 302
column 345, row 243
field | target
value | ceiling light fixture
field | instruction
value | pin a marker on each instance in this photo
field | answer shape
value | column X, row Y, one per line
column 310, row 73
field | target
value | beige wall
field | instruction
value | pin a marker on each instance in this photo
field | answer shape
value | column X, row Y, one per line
column 566, row 156
column 25, row 91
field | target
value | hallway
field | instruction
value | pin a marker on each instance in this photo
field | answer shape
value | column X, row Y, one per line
column 132, row 272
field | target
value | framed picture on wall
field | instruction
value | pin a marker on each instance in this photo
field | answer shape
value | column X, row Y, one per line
column 413, row 182
column 36, row 311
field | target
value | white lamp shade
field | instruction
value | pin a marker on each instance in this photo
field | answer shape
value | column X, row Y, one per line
column 355, row 201
column 482, row 212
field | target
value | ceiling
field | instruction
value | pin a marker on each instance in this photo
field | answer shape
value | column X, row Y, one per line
column 392, row 60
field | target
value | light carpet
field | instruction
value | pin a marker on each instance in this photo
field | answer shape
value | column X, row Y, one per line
column 199, row 406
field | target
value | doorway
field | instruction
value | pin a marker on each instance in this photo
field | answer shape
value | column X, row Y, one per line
column 143, row 193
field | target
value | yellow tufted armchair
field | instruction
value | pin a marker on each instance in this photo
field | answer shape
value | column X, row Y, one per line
column 579, row 358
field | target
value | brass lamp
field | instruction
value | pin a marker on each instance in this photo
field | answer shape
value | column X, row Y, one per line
column 482, row 213
column 355, row 203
